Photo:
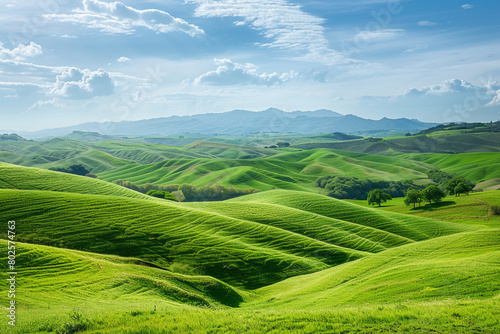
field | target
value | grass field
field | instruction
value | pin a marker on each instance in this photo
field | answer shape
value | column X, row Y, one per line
column 292, row 170
column 228, row 162
column 93, row 257
column 473, row 209
column 447, row 142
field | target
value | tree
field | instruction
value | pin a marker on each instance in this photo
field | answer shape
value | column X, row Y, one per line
column 450, row 185
column 73, row 169
column 462, row 188
column 433, row 194
column 161, row 194
column 377, row 196
column 79, row 170
column 413, row 196
column 283, row 144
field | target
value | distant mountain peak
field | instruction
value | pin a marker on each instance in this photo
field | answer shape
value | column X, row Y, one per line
column 237, row 122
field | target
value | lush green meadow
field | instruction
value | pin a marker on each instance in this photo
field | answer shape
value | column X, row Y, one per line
column 94, row 257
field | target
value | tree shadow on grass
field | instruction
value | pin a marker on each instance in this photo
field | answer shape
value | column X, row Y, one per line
column 434, row 206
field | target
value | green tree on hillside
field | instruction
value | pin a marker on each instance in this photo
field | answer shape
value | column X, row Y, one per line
column 73, row 169
column 377, row 196
column 161, row 194
column 413, row 196
column 451, row 184
column 433, row 194
column 462, row 188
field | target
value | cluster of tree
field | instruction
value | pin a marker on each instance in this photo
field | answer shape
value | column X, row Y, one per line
column 347, row 187
column 430, row 194
column 467, row 127
column 373, row 139
column 74, row 169
column 162, row 194
column 340, row 136
column 12, row 136
column 279, row 144
column 189, row 193
column 452, row 184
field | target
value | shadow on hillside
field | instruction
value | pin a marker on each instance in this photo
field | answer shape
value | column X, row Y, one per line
column 434, row 206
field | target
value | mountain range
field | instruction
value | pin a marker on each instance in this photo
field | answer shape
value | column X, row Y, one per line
column 237, row 122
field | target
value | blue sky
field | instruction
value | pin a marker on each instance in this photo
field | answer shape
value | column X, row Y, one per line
column 64, row 62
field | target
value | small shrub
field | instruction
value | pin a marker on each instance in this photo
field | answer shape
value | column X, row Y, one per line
column 495, row 209
column 79, row 323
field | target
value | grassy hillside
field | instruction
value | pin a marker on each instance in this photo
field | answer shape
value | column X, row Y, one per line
column 438, row 142
column 97, row 157
column 236, row 251
column 458, row 266
column 207, row 239
column 476, row 167
column 117, row 281
column 397, row 224
column 239, row 251
column 224, row 162
column 26, row 178
column 474, row 209
column 93, row 257
column 291, row 170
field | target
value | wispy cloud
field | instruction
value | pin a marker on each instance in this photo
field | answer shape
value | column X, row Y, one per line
column 417, row 48
column 230, row 73
column 20, row 88
column 286, row 26
column 43, row 105
column 378, row 35
column 467, row 6
column 426, row 23
column 118, row 18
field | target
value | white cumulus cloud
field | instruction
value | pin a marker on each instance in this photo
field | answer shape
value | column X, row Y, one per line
column 123, row 60
column 448, row 86
column 467, row 6
column 118, row 18
column 21, row 52
column 230, row 73
column 496, row 100
column 75, row 83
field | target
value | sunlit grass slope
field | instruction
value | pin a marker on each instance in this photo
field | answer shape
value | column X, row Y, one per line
column 26, row 178
column 237, row 251
column 291, row 170
column 404, row 226
column 212, row 239
column 476, row 167
column 457, row 266
column 438, row 142
column 96, row 157
column 49, row 275
column 474, row 208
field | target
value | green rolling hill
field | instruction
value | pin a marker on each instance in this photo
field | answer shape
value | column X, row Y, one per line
column 123, row 262
column 221, row 161
column 477, row 167
column 450, row 142
column 290, row 170
column 207, row 239
column 458, row 266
